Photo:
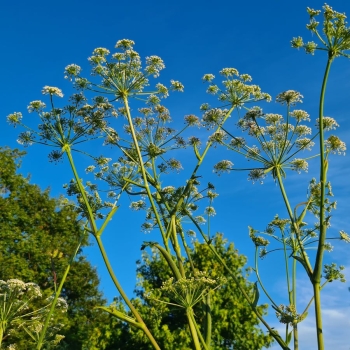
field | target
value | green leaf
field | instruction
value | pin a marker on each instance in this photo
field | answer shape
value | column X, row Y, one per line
column 301, row 260
column 289, row 337
column 113, row 311
column 256, row 294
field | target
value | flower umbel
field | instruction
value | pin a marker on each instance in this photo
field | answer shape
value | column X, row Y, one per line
column 187, row 292
column 334, row 36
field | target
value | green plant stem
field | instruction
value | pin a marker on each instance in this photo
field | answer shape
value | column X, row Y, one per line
column 57, row 294
column 294, row 302
column 188, row 253
column 273, row 333
column 323, row 225
column 287, row 266
column 177, row 247
column 199, row 332
column 123, row 295
column 208, row 320
column 318, row 315
column 81, row 188
column 97, row 233
column 307, row 266
column 296, row 336
column 143, row 172
column 291, row 292
column 199, row 163
column 1, row 333
column 259, row 279
column 193, row 330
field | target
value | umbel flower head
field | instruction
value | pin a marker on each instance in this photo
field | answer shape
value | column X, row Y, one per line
column 334, row 36
column 64, row 127
column 287, row 314
column 257, row 240
column 187, row 292
column 121, row 73
column 235, row 91
column 19, row 310
column 278, row 139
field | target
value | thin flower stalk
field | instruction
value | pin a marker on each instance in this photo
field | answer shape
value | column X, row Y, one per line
column 323, row 227
column 143, row 172
column 97, row 233
column 58, row 293
column 274, row 334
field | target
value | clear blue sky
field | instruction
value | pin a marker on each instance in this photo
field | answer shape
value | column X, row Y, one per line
column 39, row 38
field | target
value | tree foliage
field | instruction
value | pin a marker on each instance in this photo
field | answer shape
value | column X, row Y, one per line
column 37, row 238
column 233, row 323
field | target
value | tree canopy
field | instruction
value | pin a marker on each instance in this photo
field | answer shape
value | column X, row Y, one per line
column 233, row 323
column 37, row 239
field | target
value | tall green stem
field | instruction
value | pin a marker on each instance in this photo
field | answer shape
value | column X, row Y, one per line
column 208, row 320
column 143, row 172
column 307, row 265
column 97, row 234
column 177, row 247
column 294, row 302
column 193, row 330
column 1, row 333
column 323, row 224
column 57, row 294
column 123, row 295
column 272, row 332
column 81, row 189
column 259, row 279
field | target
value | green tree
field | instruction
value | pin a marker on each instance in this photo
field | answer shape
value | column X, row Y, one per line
column 233, row 323
column 37, row 238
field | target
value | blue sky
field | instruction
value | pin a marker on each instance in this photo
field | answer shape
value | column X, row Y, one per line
column 39, row 38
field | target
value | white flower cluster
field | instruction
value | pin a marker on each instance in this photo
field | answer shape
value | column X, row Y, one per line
column 53, row 91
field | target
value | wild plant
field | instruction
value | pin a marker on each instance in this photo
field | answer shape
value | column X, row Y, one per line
column 121, row 106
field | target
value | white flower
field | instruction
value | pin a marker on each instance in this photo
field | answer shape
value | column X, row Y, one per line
column 16, row 284
column 210, row 211
column 14, row 118
column 200, row 220
column 328, row 123
column 176, row 86
column 168, row 189
column 304, row 143
column 139, row 205
column 100, row 51
column 36, row 106
column 154, row 65
column 302, row 130
column 162, row 90
column 225, row 166
column 229, row 72
column 290, row 97
column 62, row 304
column 208, row 77
column 33, row 289
column 344, row 236
column 72, row 70
column 335, row 145
column 327, row 246
column 53, row 91
column 111, row 194
column 90, row 168
column 273, row 118
column 125, row 44
column 299, row 164
column 256, row 175
column 191, row 233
